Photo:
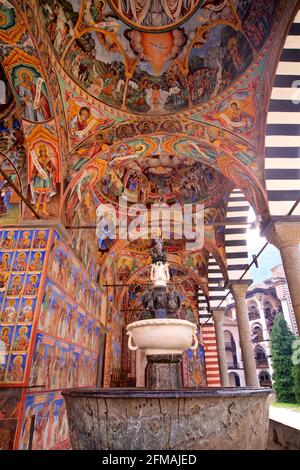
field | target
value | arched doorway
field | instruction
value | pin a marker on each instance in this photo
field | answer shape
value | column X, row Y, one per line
column 264, row 379
column 257, row 333
column 234, row 379
column 230, row 348
column 261, row 358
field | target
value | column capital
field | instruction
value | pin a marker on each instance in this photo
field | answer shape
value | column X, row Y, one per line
column 218, row 314
column 239, row 287
column 282, row 231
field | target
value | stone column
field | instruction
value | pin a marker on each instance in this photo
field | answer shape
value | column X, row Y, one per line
column 238, row 289
column 284, row 233
column 141, row 364
column 163, row 371
column 218, row 316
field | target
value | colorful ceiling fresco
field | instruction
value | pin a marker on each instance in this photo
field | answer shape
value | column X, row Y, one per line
column 221, row 153
column 163, row 178
column 146, row 15
column 156, row 57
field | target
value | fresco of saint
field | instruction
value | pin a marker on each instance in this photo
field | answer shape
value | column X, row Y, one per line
column 16, row 286
column 43, row 178
column 16, row 373
column 20, row 262
column 36, row 263
column 26, row 315
column 24, row 241
column 35, row 105
column 32, row 287
column 21, row 343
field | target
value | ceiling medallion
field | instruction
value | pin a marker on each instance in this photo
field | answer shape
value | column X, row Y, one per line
column 154, row 15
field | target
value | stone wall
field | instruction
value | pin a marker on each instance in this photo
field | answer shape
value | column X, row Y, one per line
column 282, row 437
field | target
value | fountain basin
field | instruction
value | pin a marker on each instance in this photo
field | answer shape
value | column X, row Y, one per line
column 182, row 419
column 162, row 336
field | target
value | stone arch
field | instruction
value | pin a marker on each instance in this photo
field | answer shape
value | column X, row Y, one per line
column 257, row 333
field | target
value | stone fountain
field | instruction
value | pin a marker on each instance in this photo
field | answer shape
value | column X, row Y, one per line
column 160, row 334
column 165, row 416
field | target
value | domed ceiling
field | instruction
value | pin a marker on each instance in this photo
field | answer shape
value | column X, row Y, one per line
column 157, row 57
column 163, row 178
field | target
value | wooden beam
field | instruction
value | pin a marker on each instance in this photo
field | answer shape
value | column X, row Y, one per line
column 16, row 189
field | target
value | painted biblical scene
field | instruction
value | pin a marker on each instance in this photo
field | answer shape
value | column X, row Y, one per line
column 60, row 19
column 157, row 15
column 194, row 368
column 238, row 114
column 21, row 263
column 256, row 17
column 157, row 56
column 57, row 364
column 47, row 414
column 68, row 274
column 162, row 178
column 214, row 63
column 61, row 317
column 12, row 143
column 97, row 65
column 161, row 93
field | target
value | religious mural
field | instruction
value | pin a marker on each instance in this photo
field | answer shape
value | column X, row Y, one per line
column 82, row 117
column 47, row 413
column 156, row 57
column 21, row 252
column 156, row 14
column 162, row 178
column 64, row 350
column 194, row 368
column 32, row 93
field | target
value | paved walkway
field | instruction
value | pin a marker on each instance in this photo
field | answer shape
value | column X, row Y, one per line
column 285, row 416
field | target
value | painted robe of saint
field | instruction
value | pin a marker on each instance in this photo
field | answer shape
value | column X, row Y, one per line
column 43, row 178
column 79, row 124
column 17, row 371
column 34, row 103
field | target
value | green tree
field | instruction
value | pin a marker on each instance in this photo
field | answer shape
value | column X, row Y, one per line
column 281, row 346
column 296, row 374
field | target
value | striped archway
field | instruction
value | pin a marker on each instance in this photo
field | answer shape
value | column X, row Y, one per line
column 282, row 143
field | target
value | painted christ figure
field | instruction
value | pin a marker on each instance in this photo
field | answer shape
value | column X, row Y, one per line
column 155, row 12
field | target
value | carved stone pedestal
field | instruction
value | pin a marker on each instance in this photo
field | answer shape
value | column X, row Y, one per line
column 163, row 372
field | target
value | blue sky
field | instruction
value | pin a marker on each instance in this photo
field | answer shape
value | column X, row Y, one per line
column 267, row 260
